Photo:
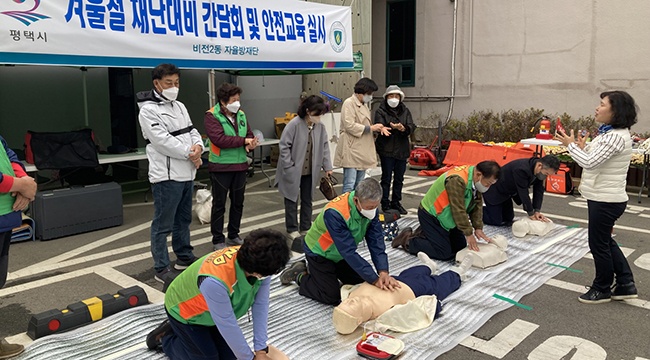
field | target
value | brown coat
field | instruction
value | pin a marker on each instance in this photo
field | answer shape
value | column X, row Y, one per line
column 356, row 147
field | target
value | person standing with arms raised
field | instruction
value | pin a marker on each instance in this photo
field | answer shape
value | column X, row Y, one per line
column 355, row 151
column 605, row 161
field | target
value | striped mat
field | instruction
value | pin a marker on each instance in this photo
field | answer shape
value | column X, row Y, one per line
column 303, row 329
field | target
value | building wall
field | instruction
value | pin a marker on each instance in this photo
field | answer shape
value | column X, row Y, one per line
column 342, row 84
column 554, row 55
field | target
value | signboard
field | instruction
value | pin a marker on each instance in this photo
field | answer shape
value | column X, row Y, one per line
column 203, row 34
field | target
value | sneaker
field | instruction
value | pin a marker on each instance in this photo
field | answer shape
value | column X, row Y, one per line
column 622, row 292
column 218, row 246
column 234, row 242
column 162, row 275
column 402, row 239
column 294, row 235
column 397, row 206
column 154, row 339
column 8, row 350
column 289, row 274
column 594, row 296
column 184, row 264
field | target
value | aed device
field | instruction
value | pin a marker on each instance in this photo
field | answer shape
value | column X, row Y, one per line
column 378, row 346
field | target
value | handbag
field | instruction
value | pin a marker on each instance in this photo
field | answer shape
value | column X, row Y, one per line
column 327, row 186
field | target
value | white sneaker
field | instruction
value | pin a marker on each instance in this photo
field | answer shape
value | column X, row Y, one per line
column 426, row 260
column 294, row 235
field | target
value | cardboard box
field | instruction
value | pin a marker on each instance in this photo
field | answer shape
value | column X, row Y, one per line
column 275, row 155
column 281, row 122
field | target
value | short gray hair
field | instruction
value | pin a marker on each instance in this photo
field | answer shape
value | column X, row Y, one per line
column 368, row 189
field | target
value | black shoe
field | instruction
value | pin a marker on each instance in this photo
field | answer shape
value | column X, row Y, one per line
column 397, row 206
column 594, row 296
column 184, row 264
column 154, row 339
column 385, row 207
column 622, row 292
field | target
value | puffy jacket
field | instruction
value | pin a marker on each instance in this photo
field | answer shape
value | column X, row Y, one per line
column 168, row 155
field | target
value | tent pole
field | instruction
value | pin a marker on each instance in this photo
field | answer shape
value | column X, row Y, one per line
column 84, row 80
column 211, row 93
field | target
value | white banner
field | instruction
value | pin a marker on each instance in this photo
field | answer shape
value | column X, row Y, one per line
column 205, row 34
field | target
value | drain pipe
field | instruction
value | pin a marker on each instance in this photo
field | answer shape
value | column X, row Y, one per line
column 453, row 74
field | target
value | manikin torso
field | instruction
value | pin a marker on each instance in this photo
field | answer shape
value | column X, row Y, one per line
column 369, row 301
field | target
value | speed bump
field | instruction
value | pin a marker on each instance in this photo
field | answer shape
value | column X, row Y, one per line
column 84, row 312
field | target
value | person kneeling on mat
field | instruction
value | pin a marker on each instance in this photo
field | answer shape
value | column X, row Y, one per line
column 366, row 302
column 204, row 302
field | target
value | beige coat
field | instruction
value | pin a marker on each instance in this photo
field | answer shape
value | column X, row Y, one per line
column 355, row 148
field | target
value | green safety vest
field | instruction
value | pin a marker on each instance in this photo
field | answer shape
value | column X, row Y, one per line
column 436, row 200
column 230, row 155
column 6, row 200
column 184, row 301
column 319, row 240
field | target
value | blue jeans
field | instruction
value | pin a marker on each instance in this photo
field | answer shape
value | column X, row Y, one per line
column 195, row 342
column 351, row 178
column 172, row 214
column 390, row 166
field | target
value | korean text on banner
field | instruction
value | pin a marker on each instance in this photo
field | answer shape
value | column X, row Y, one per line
column 204, row 34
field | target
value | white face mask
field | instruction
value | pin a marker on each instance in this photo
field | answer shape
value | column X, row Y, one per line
column 233, row 107
column 367, row 98
column 170, row 93
column 393, row 102
column 370, row 214
column 480, row 187
column 314, row 119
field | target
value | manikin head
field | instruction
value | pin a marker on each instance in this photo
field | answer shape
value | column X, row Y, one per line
column 351, row 313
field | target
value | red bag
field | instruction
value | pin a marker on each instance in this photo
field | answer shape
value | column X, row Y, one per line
column 560, row 183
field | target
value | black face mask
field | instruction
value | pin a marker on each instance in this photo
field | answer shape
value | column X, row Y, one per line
column 541, row 176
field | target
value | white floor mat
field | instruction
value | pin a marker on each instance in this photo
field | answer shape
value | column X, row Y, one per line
column 303, row 329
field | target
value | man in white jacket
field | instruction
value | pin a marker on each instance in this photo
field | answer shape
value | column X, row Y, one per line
column 174, row 151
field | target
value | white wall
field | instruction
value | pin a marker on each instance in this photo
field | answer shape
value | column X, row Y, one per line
column 555, row 55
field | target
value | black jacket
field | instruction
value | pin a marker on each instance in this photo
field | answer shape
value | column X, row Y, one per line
column 515, row 180
column 397, row 144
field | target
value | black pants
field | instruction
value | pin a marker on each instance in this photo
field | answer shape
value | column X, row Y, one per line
column 291, row 207
column 322, row 282
column 436, row 242
column 224, row 183
column 608, row 257
column 392, row 168
column 195, row 342
column 5, row 240
column 499, row 214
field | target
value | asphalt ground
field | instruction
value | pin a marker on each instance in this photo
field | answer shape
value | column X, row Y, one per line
column 45, row 275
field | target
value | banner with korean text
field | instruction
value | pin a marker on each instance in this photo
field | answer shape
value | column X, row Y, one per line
column 202, row 34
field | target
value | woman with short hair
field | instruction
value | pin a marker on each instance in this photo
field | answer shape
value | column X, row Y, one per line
column 304, row 152
column 605, row 162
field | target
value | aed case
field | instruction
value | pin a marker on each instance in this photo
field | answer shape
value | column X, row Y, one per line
column 368, row 348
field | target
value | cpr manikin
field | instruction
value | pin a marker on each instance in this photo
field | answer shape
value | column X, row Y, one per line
column 409, row 308
column 525, row 226
column 489, row 254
